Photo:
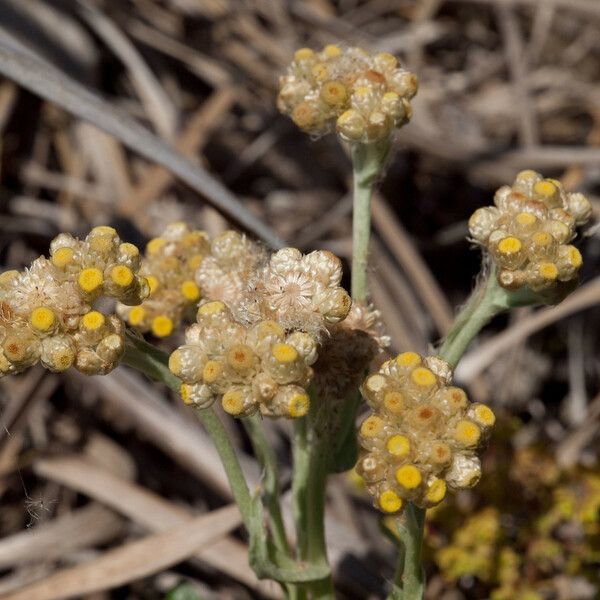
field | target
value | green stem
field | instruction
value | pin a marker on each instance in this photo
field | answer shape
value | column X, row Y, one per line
column 410, row 579
column 486, row 301
column 153, row 362
column 317, row 544
column 301, row 472
column 267, row 459
column 367, row 161
column 311, row 462
column 265, row 557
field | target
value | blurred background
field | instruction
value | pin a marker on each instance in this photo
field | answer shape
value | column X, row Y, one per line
column 89, row 466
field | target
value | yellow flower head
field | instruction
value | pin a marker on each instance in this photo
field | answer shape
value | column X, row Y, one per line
column 363, row 96
column 422, row 435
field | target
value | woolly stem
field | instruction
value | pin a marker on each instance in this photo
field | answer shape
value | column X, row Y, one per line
column 367, row 162
column 486, row 301
column 311, row 461
column 152, row 362
column 267, row 459
column 410, row 577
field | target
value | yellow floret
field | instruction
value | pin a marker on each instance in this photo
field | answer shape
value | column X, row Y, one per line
column 509, row 245
column 212, row 308
column 549, row 271
column 130, row 250
column 8, row 275
column 240, row 357
column 63, row 359
column 436, row 491
column 193, row 238
column 303, row 115
column 299, row 405
column 334, row 92
column 371, row 426
column 387, row 60
column 62, row 257
column 162, row 326
column 408, row 359
column 456, row 398
column 409, row 477
column 190, row 290
column 93, row 320
column 175, row 365
column 320, row 71
column 233, row 402
column 441, row 453
column 351, row 124
column 525, row 219
column 153, row 283
column 423, row 377
column 467, row 433
column 398, row 445
column 104, row 230
column 542, row 239
column 136, row 315
column 484, row 415
column 90, row 279
column 101, row 244
column 185, row 393
column 390, row 502
column 527, row 174
column 121, row 275
column 15, row 348
column 284, row 353
column 195, row 261
column 332, row 50
column 154, row 245
column 42, row 318
column 575, row 257
column 545, row 188
column 268, row 328
column 303, row 54
column 394, row 402
column 212, row 370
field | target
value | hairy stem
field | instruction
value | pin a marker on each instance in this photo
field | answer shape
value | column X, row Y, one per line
column 367, row 161
column 153, row 362
column 485, row 302
column 300, row 449
column 311, row 462
column 267, row 459
column 409, row 581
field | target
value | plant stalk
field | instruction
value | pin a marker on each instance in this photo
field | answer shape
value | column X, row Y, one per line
column 267, row 459
column 486, row 301
column 153, row 362
column 367, row 162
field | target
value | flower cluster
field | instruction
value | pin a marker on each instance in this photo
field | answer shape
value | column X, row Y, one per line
column 302, row 292
column 170, row 263
column 528, row 232
column 46, row 310
column 227, row 270
column 363, row 96
column 251, row 368
column 258, row 328
column 422, row 435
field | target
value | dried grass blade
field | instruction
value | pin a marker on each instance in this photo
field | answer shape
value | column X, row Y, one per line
column 134, row 560
column 49, row 83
